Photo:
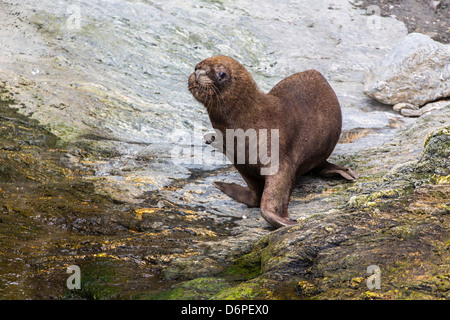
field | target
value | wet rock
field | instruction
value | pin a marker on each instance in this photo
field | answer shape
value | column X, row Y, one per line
column 197, row 289
column 416, row 71
column 396, row 219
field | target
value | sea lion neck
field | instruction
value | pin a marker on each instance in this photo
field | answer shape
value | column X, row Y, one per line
column 227, row 109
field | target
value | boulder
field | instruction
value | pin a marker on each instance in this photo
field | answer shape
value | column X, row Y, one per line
column 416, row 71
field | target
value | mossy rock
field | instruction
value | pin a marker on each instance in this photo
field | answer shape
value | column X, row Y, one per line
column 245, row 268
column 197, row 289
column 101, row 279
column 436, row 156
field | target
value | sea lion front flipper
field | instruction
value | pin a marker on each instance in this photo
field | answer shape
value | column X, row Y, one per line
column 275, row 199
column 329, row 170
column 239, row 193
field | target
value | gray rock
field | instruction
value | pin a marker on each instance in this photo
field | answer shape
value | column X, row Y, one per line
column 128, row 98
column 401, row 106
column 410, row 112
column 416, row 71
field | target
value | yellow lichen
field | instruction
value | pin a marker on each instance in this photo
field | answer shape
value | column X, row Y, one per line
column 440, row 179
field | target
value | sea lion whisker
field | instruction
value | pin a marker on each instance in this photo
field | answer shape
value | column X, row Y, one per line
column 217, row 95
column 207, row 97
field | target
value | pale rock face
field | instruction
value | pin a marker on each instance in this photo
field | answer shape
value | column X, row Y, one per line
column 416, row 71
column 417, row 112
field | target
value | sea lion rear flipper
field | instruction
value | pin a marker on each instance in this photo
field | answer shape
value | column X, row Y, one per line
column 239, row 193
column 329, row 170
column 275, row 200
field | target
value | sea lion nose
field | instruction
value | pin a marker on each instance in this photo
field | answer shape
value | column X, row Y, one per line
column 198, row 73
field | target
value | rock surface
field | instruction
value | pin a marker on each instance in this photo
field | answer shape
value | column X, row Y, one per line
column 417, row 112
column 415, row 71
column 86, row 176
column 121, row 98
column 396, row 219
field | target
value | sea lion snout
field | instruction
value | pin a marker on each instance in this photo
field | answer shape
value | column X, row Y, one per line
column 198, row 73
column 199, row 77
column 201, row 85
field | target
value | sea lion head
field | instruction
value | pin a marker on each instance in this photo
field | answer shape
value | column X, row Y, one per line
column 220, row 79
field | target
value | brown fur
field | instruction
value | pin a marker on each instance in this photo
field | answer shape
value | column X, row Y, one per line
column 303, row 107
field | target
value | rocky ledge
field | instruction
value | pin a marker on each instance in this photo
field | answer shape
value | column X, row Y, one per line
column 390, row 240
column 394, row 219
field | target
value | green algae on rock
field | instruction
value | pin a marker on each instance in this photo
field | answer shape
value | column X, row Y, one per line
column 197, row 289
column 52, row 217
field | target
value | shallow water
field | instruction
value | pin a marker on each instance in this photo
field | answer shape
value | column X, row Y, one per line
column 109, row 78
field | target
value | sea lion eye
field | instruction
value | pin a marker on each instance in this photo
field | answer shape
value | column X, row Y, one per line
column 222, row 75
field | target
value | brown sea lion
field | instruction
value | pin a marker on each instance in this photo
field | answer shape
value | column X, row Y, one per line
column 304, row 109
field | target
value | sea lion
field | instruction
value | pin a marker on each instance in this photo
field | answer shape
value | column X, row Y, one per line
column 304, row 109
